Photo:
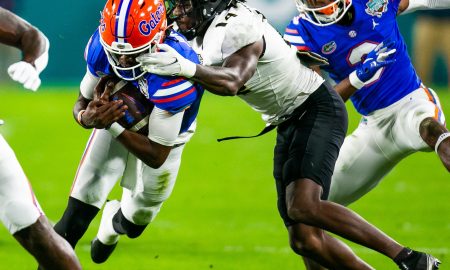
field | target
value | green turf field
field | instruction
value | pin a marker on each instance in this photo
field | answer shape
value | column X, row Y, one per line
column 222, row 213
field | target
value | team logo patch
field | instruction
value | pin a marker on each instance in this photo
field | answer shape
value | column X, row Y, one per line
column 143, row 86
column 329, row 48
column 376, row 7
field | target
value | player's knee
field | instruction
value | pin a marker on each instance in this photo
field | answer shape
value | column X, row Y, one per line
column 302, row 213
column 19, row 215
column 123, row 226
column 306, row 245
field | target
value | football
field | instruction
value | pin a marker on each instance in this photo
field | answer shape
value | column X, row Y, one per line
column 139, row 107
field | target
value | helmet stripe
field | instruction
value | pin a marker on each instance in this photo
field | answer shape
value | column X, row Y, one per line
column 121, row 20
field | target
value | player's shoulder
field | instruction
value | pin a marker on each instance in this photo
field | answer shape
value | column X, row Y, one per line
column 177, row 41
column 297, row 32
column 94, row 54
column 234, row 28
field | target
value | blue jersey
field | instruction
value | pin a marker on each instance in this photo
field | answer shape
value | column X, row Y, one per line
column 346, row 46
column 172, row 94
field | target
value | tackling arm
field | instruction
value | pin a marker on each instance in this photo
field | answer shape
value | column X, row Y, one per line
column 16, row 32
column 408, row 6
column 237, row 69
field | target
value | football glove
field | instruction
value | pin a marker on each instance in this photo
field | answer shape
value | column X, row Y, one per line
column 24, row 73
column 167, row 62
column 379, row 57
column 27, row 74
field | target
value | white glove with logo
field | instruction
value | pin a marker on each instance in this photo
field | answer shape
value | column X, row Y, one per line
column 167, row 62
column 28, row 75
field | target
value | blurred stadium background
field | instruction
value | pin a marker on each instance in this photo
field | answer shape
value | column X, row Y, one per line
column 222, row 214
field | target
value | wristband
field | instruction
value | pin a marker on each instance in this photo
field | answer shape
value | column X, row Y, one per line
column 440, row 139
column 116, row 129
column 80, row 113
column 355, row 81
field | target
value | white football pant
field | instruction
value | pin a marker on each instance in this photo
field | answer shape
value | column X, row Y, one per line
column 18, row 205
column 381, row 140
column 145, row 189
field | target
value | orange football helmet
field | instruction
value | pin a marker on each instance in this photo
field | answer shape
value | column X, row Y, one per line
column 131, row 27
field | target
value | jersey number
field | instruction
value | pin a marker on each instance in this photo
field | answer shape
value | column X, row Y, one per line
column 358, row 54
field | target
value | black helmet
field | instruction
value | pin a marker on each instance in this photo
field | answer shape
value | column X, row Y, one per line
column 203, row 11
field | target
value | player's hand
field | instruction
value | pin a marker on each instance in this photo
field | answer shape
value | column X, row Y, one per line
column 101, row 112
column 26, row 74
column 379, row 57
column 167, row 62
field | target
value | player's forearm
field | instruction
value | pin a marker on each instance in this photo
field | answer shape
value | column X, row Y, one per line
column 79, row 107
column 219, row 80
column 33, row 44
column 151, row 153
column 345, row 89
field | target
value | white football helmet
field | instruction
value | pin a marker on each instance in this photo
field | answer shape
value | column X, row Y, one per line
column 323, row 15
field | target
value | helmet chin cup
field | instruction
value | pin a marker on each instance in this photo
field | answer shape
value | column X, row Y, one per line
column 325, row 15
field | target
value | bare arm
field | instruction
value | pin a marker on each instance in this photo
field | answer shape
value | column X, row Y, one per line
column 153, row 149
column 345, row 89
column 151, row 153
column 16, row 32
column 237, row 69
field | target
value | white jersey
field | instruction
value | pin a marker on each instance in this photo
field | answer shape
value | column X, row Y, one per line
column 281, row 83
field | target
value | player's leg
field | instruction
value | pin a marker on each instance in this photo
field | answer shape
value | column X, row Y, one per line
column 424, row 116
column 50, row 249
column 315, row 140
column 102, row 164
column 140, row 204
column 365, row 158
column 22, row 215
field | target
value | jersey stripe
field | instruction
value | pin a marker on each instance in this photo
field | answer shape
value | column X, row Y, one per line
column 164, row 100
column 172, row 82
column 294, row 39
column 173, row 90
column 291, row 31
column 437, row 111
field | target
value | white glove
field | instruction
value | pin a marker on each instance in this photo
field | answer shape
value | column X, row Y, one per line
column 167, row 62
column 26, row 74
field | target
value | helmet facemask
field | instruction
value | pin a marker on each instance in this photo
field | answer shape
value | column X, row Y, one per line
column 324, row 15
column 117, row 49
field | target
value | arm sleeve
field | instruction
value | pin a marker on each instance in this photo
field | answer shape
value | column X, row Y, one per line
column 426, row 4
column 164, row 127
column 88, row 84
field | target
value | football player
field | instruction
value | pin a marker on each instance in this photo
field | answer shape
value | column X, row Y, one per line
column 245, row 56
column 400, row 115
column 19, row 210
column 147, row 165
